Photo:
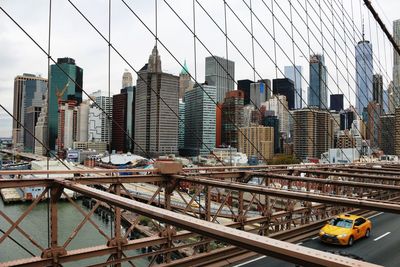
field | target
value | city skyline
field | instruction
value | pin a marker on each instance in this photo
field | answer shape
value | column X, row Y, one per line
column 95, row 78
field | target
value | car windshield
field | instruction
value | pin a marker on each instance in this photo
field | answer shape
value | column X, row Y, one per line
column 339, row 222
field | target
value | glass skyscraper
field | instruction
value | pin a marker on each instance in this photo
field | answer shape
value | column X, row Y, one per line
column 58, row 81
column 295, row 74
column 220, row 72
column 317, row 90
column 364, row 72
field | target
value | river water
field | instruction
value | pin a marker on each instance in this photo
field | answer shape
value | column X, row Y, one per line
column 35, row 224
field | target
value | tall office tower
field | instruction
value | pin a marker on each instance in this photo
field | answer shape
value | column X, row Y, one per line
column 29, row 91
column 244, row 85
column 336, row 102
column 123, row 120
column 374, row 111
column 181, row 129
column 220, row 72
column 185, row 81
column 83, row 122
column 200, row 115
column 279, row 105
column 270, row 120
column 232, row 117
column 62, row 88
column 391, row 101
column 317, row 91
column 127, row 80
column 102, row 128
column 377, row 93
column 258, row 94
column 32, row 116
column 156, row 126
column 397, row 131
column 312, row 132
column 41, row 130
column 119, row 123
column 387, row 133
column 285, row 87
column 218, row 122
column 364, row 72
column 396, row 65
column 295, row 73
column 268, row 88
column 67, row 126
column 257, row 141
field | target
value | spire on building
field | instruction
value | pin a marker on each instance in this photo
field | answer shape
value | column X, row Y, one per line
column 185, row 70
column 154, row 61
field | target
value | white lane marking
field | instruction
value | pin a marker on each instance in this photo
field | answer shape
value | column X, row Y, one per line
column 375, row 215
column 315, row 237
column 250, row 261
column 382, row 236
column 300, row 243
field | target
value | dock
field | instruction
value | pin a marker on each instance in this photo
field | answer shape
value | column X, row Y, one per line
column 10, row 195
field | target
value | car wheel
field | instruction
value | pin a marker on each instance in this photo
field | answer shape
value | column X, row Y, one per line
column 351, row 241
column 367, row 233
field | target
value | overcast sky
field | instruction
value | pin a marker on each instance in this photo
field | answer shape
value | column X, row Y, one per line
column 72, row 36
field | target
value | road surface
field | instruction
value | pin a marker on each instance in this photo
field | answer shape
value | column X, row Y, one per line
column 381, row 248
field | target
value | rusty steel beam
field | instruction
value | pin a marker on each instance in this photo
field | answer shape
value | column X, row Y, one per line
column 359, row 169
column 80, row 171
column 352, row 173
column 150, row 178
column 329, row 181
column 15, row 183
column 307, row 196
column 275, row 248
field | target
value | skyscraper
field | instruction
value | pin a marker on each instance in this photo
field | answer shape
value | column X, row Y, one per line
column 220, row 72
column 336, row 102
column 279, row 105
column 123, row 120
column 285, row 87
column 388, row 133
column 244, row 85
column 156, row 126
column 317, row 91
column 232, row 117
column 396, row 65
column 185, row 81
column 312, row 132
column 364, row 72
column 377, row 94
column 29, row 91
column 62, row 88
column 294, row 73
column 257, row 141
column 105, row 103
column 181, row 129
column 258, row 94
column 200, row 116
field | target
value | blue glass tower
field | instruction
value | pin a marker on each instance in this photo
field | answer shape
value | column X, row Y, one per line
column 317, row 91
column 364, row 72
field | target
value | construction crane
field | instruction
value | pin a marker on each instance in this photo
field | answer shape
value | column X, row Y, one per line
column 59, row 93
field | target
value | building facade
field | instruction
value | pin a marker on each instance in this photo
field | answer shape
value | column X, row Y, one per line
column 156, row 109
column 232, row 117
column 285, row 87
column 295, row 73
column 29, row 90
column 185, row 81
column 377, row 94
column 62, row 88
column 317, row 90
column 257, row 141
column 388, row 134
column 312, row 133
column 200, row 120
column 396, row 65
column 364, row 72
column 220, row 72
column 336, row 102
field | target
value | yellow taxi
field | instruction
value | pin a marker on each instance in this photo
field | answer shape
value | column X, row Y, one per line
column 345, row 229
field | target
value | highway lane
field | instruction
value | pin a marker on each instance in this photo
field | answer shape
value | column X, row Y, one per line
column 381, row 248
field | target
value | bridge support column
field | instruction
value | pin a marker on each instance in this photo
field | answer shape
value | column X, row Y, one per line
column 54, row 251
